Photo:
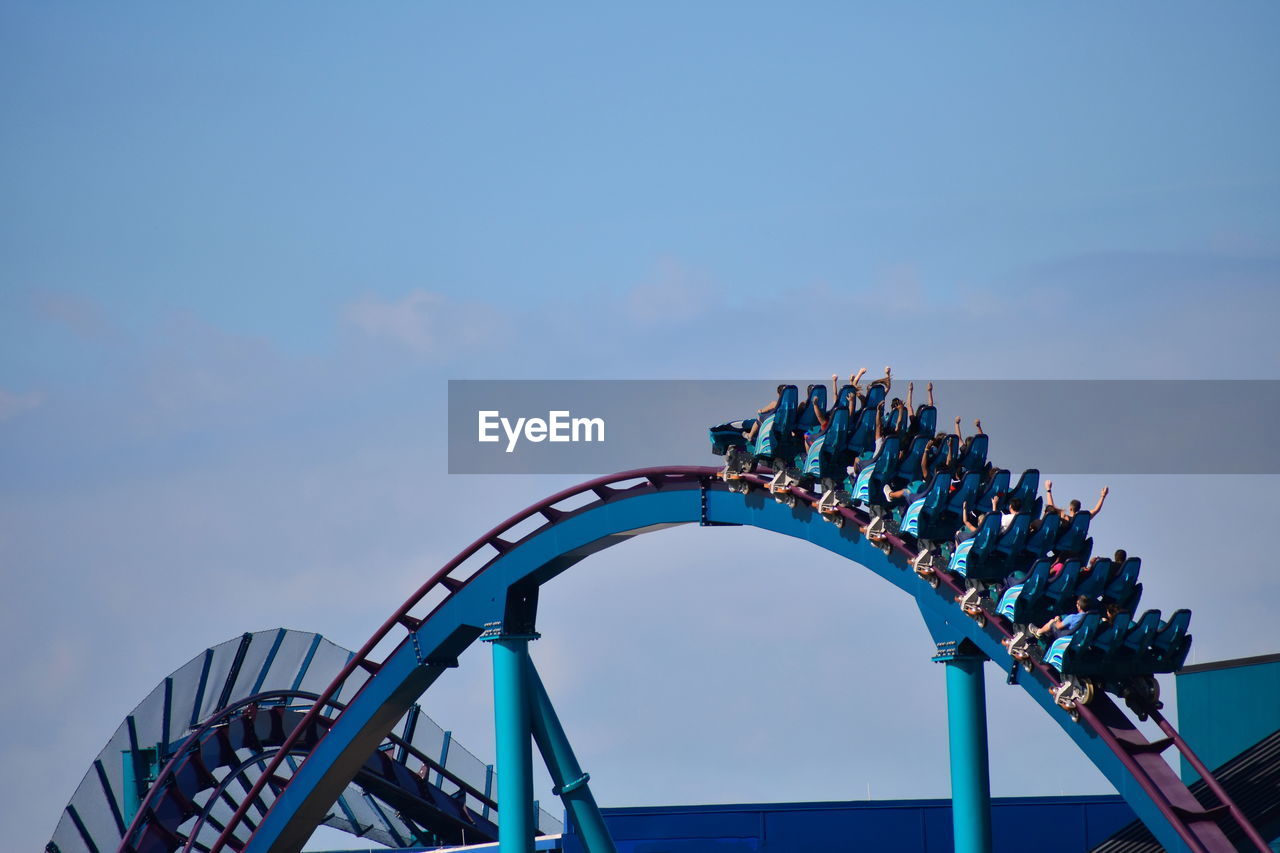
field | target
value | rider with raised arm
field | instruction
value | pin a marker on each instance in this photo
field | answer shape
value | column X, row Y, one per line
column 1074, row 506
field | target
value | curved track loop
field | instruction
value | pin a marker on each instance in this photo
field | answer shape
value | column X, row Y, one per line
column 459, row 604
column 262, row 723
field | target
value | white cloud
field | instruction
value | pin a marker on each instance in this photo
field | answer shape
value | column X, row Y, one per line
column 13, row 405
column 428, row 324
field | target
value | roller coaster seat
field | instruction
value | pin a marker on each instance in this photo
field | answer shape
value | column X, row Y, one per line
column 869, row 487
column 1071, row 540
column 925, row 421
column 1121, row 586
column 876, row 394
column 732, row 434
column 1041, row 542
column 776, row 437
column 997, row 484
column 924, row 517
column 828, row 454
column 971, row 558
column 1172, row 643
column 975, row 456
column 1025, row 490
column 1062, row 590
column 964, row 494
column 909, row 465
column 1025, row 607
column 862, row 432
column 1093, row 583
column 1064, row 651
column 807, row 419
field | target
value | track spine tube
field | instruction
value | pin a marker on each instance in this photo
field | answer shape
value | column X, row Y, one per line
column 967, row 737
column 513, row 742
column 570, row 782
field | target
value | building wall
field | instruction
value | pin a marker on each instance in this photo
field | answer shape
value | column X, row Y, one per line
column 1043, row 824
column 1226, row 707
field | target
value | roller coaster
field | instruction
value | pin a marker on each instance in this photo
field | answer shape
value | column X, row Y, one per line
column 276, row 754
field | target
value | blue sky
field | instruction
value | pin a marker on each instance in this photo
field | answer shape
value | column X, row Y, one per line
column 243, row 249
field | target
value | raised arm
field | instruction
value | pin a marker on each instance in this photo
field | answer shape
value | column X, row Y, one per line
column 835, row 388
column 1102, row 497
column 930, row 393
column 959, row 432
column 911, row 388
column 1048, row 495
column 978, row 425
column 823, row 420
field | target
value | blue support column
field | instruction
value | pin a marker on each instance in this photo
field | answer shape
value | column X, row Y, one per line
column 967, row 731
column 513, row 740
column 570, row 782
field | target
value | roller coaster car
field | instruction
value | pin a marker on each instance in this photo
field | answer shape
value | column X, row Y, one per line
column 725, row 437
column 776, row 438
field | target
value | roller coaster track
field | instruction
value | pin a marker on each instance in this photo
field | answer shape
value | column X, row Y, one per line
column 258, row 724
column 448, row 612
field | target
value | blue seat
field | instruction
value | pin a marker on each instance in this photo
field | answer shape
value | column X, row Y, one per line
column 1071, row 540
column 925, row 421
column 1172, row 643
column 1026, row 489
column 807, row 419
column 909, row 465
column 1121, row 586
column 975, row 457
column 1094, row 582
column 869, row 487
column 1065, row 652
column 1134, row 649
column 1026, row 607
column 725, row 436
column 876, row 395
column 1013, row 542
column 862, row 432
column 1062, row 591
column 996, row 484
column 1040, row 543
column 971, row 557
column 829, row 456
column 923, row 518
column 776, row 438
column 1096, row 657
column 965, row 493
column 950, row 446
column 842, row 399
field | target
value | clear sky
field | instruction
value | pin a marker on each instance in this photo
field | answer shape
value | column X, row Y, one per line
column 243, row 247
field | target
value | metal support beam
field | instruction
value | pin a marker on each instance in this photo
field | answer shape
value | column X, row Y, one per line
column 967, row 732
column 570, row 782
column 513, row 732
